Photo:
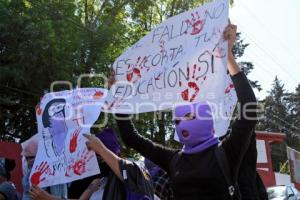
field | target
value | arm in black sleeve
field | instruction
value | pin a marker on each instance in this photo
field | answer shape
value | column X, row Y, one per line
column 242, row 128
column 156, row 153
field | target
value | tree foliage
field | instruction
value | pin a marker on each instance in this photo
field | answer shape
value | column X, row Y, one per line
column 45, row 41
column 281, row 114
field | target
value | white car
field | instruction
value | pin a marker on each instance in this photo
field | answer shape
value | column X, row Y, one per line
column 283, row 193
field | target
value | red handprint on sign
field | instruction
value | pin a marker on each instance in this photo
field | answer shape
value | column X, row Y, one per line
column 197, row 23
column 192, row 84
column 98, row 95
column 39, row 171
column 79, row 166
column 73, row 141
column 134, row 72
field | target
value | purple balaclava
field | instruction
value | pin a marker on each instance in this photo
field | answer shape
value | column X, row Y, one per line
column 197, row 132
column 110, row 140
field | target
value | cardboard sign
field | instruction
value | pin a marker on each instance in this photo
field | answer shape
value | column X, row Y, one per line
column 62, row 118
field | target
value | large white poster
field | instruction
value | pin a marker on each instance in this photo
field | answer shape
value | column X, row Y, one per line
column 182, row 60
column 62, row 117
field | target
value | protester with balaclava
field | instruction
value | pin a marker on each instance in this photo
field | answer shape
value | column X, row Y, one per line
column 194, row 170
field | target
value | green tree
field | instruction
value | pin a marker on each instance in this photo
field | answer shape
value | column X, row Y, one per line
column 44, row 41
column 294, row 118
column 32, row 56
column 275, row 119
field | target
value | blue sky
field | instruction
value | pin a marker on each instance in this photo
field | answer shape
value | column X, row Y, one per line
column 272, row 28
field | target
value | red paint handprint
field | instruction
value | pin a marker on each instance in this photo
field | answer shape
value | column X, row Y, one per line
column 98, row 95
column 192, row 84
column 39, row 171
column 73, row 141
column 197, row 23
column 79, row 166
column 134, row 72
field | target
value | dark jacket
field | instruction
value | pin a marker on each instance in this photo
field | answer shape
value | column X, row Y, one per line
column 136, row 186
column 198, row 176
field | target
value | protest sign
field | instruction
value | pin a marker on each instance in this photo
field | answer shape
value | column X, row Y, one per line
column 294, row 162
column 182, row 60
column 62, row 117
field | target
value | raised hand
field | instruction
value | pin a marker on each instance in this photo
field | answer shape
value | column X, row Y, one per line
column 37, row 193
column 93, row 143
column 230, row 35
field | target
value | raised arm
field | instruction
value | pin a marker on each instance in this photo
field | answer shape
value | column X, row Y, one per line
column 156, row 153
column 238, row 141
column 111, row 159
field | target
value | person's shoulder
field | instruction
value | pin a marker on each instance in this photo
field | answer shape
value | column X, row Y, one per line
column 9, row 190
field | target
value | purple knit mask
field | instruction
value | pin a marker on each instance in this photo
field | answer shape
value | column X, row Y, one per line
column 110, row 140
column 195, row 127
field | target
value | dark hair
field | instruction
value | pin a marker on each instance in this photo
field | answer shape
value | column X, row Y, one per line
column 9, row 165
column 46, row 117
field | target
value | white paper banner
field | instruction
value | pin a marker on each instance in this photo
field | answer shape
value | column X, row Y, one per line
column 294, row 162
column 62, row 118
column 183, row 59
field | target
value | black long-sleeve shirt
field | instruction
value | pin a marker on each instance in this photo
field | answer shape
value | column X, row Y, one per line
column 198, row 176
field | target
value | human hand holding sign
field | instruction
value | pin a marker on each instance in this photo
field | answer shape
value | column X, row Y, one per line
column 37, row 193
column 229, row 34
column 93, row 143
column 111, row 159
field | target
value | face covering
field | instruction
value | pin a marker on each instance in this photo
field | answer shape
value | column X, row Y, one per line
column 58, row 131
column 194, row 127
